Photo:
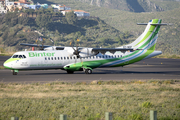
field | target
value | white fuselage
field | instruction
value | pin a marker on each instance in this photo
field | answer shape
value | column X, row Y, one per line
column 53, row 59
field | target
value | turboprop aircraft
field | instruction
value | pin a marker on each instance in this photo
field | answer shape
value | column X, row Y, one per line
column 85, row 59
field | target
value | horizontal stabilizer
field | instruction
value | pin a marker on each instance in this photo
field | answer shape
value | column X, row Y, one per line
column 158, row 24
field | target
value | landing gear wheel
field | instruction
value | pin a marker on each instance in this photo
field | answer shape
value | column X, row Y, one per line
column 70, row 72
column 14, row 73
column 88, row 71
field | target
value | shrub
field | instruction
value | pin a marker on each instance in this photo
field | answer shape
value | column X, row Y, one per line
column 147, row 104
column 136, row 117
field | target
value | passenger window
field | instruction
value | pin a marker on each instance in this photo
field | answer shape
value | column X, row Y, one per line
column 58, row 58
column 61, row 58
column 51, row 58
column 48, row 58
column 54, row 58
column 45, row 58
column 64, row 57
column 67, row 57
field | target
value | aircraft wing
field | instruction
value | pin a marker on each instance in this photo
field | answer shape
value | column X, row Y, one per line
column 113, row 50
column 34, row 45
column 44, row 46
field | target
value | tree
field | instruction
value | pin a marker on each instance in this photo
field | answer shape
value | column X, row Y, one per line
column 43, row 20
column 71, row 17
column 23, row 20
column 29, row 11
column 8, row 18
column 14, row 21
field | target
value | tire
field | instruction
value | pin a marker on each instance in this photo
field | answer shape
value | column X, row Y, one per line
column 88, row 71
column 14, row 73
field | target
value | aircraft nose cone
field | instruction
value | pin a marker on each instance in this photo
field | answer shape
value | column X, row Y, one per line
column 7, row 64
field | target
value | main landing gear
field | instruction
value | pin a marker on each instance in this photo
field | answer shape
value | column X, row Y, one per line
column 88, row 71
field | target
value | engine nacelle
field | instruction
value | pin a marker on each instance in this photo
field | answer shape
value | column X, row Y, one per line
column 50, row 48
column 86, row 52
column 83, row 52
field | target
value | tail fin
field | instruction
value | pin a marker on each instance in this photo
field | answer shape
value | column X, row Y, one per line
column 147, row 40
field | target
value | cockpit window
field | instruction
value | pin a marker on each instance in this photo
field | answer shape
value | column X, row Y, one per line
column 18, row 56
column 15, row 56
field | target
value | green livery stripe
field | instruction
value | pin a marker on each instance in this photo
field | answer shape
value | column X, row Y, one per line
column 148, row 52
column 11, row 60
column 151, row 29
column 149, row 40
column 8, row 67
column 147, row 35
column 95, row 63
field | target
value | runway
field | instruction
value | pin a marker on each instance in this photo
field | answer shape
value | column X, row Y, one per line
column 153, row 68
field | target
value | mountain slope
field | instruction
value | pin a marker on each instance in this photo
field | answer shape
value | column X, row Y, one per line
column 135, row 5
column 125, row 5
column 125, row 21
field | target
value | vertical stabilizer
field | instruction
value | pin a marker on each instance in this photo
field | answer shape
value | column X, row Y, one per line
column 147, row 40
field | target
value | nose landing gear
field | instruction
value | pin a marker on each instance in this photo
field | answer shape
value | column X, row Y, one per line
column 14, row 72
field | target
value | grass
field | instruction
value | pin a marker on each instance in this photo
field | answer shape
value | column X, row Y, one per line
column 128, row 100
column 2, row 67
column 168, row 56
column 6, row 54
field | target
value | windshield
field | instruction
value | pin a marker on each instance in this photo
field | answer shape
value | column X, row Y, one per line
column 15, row 56
column 18, row 56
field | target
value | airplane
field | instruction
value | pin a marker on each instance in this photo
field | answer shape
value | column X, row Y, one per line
column 86, row 59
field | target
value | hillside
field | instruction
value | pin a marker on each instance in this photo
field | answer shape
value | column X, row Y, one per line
column 168, row 40
column 92, row 32
column 124, row 5
column 124, row 21
column 113, row 25
column 131, row 5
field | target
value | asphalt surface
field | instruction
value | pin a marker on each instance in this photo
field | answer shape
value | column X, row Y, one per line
column 152, row 68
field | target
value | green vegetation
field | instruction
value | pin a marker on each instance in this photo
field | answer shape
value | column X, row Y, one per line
column 122, row 20
column 128, row 100
column 93, row 32
column 168, row 56
column 28, row 26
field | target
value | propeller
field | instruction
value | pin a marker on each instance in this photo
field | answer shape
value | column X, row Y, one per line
column 76, row 51
column 42, row 43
